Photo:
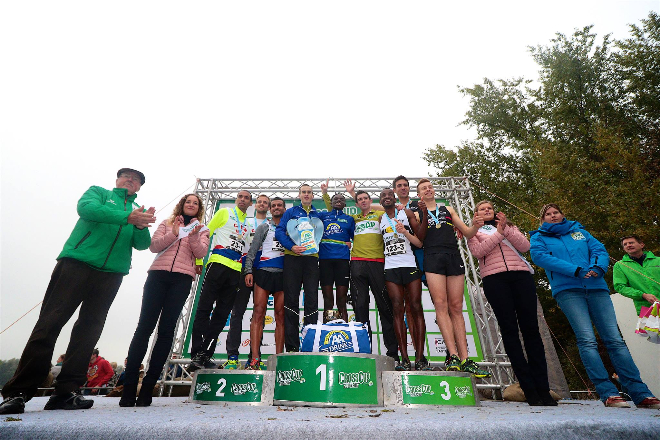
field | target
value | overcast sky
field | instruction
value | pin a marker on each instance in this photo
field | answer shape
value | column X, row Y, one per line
column 232, row 89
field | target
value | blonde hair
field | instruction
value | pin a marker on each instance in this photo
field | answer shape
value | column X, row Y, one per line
column 492, row 205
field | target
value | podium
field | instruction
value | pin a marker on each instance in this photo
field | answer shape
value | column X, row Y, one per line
column 329, row 379
column 423, row 388
column 333, row 380
column 234, row 387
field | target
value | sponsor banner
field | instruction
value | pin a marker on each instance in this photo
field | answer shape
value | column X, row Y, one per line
column 267, row 344
column 437, row 390
column 244, row 387
column 427, row 303
column 378, row 348
column 336, row 379
column 411, row 348
column 438, row 349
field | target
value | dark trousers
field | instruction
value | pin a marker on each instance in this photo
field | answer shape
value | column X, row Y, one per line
column 512, row 295
column 236, row 320
column 72, row 283
column 299, row 271
column 219, row 288
column 162, row 300
column 366, row 275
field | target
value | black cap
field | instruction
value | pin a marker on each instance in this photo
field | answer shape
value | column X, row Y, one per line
column 131, row 170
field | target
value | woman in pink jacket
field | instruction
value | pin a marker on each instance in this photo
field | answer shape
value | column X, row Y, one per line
column 509, row 287
column 178, row 241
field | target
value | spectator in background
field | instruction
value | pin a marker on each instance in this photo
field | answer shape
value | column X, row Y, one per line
column 55, row 370
column 99, row 372
column 637, row 275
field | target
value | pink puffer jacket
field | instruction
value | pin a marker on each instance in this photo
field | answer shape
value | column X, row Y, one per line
column 180, row 257
column 495, row 256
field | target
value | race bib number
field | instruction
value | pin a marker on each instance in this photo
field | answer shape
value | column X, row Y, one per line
column 236, row 244
column 277, row 246
column 394, row 248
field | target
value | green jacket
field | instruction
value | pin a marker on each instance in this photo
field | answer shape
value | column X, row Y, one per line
column 102, row 237
column 633, row 284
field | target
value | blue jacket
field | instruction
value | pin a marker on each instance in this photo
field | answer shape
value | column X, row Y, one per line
column 338, row 230
column 282, row 235
column 567, row 252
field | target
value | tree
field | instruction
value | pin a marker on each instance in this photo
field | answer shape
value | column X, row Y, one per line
column 585, row 134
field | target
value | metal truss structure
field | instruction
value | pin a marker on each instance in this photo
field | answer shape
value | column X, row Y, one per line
column 456, row 190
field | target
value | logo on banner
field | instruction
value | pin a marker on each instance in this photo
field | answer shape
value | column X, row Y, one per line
column 202, row 387
column 440, row 346
column 336, row 340
column 241, row 388
column 245, row 343
column 288, row 376
column 354, row 380
column 418, row 390
column 269, row 320
column 463, row 392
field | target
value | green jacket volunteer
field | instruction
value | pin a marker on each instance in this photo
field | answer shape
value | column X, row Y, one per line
column 88, row 274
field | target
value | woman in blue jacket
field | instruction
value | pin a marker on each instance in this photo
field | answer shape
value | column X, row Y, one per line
column 575, row 263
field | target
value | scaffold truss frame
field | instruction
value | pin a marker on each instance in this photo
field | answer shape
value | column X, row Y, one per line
column 456, row 190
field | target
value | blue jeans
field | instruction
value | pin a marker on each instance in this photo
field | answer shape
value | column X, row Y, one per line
column 582, row 307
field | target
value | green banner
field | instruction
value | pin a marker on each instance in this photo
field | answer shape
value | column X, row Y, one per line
column 218, row 387
column 334, row 379
column 437, row 390
column 434, row 344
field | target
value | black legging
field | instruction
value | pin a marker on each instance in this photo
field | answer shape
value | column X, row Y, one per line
column 164, row 296
column 512, row 295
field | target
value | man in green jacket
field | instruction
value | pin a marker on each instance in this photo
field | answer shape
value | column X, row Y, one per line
column 88, row 274
column 637, row 275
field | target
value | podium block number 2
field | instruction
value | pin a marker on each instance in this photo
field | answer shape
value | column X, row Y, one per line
column 223, row 383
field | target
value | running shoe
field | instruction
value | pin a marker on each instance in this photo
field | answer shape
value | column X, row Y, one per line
column 649, row 403
column 423, row 365
column 403, row 366
column 470, row 366
column 453, row 363
column 256, row 364
column 231, row 363
column 199, row 361
column 617, row 402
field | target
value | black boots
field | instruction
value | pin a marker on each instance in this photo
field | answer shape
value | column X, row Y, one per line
column 147, row 390
column 128, row 395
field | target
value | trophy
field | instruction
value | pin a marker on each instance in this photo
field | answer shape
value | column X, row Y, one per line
column 307, row 232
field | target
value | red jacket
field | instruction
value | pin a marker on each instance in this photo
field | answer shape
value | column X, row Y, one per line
column 180, row 256
column 99, row 372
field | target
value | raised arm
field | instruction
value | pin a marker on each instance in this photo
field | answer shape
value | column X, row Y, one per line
column 467, row 231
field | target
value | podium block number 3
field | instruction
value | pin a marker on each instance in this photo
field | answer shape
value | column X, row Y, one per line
column 447, row 394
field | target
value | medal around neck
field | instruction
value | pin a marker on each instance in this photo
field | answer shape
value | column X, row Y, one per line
column 307, row 232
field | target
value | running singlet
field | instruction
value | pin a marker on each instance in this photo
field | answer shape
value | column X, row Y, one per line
column 398, row 253
column 272, row 253
column 443, row 238
column 367, row 240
